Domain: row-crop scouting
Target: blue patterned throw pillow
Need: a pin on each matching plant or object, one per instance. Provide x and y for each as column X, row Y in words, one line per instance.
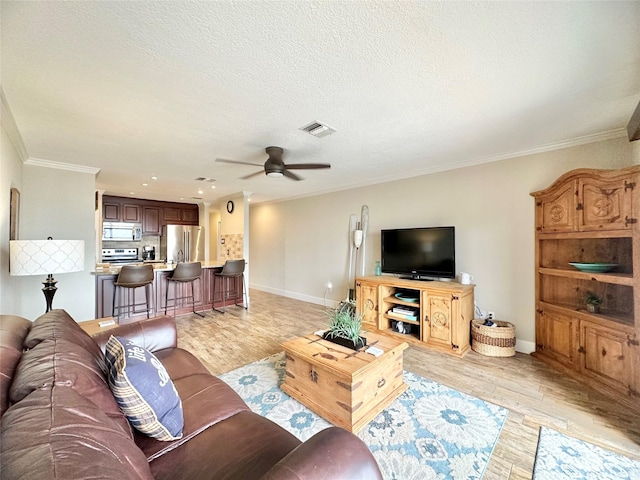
column 143, row 389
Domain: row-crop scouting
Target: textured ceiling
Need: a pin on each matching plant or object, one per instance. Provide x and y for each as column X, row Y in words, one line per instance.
column 165, row 88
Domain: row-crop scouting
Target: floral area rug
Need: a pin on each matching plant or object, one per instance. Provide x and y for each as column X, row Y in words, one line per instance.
column 560, row 457
column 429, row 432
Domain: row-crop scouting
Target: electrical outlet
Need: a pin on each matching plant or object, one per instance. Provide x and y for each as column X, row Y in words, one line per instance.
column 491, row 315
column 329, row 287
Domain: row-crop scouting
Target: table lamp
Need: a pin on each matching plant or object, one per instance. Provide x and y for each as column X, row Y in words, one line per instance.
column 46, row 257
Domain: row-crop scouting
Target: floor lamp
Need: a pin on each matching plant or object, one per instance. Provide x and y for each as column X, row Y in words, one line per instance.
column 46, row 257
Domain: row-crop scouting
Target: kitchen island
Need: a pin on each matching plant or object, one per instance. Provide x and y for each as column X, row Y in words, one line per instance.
column 106, row 275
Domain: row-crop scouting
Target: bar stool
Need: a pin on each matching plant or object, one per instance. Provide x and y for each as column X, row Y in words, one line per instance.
column 232, row 269
column 184, row 273
column 132, row 277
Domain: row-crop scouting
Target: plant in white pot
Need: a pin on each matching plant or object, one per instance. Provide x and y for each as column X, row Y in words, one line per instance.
column 344, row 326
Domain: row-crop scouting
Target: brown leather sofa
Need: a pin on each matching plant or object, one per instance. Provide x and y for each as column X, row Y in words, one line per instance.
column 61, row 421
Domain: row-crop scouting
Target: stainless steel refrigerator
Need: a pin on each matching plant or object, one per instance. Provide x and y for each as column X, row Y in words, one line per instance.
column 182, row 243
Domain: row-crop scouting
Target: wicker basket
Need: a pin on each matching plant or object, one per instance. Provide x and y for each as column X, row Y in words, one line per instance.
column 499, row 341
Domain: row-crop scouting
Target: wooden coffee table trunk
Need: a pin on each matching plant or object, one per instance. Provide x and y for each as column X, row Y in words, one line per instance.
column 347, row 388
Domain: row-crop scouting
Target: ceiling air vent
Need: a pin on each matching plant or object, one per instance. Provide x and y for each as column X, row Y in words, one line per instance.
column 205, row 179
column 318, row 129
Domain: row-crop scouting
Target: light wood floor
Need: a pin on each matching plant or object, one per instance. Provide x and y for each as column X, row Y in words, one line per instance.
column 533, row 393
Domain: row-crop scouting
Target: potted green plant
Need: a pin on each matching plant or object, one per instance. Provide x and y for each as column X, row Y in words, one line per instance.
column 593, row 302
column 344, row 326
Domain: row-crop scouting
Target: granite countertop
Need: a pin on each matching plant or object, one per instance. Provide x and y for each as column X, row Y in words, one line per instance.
column 107, row 269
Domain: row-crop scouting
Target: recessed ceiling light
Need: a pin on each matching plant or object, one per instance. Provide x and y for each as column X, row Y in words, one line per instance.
column 132, row 193
column 145, row 184
column 213, row 186
column 200, row 192
column 153, row 177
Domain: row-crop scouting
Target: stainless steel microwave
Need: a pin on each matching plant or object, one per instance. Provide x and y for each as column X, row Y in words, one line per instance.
column 121, row 232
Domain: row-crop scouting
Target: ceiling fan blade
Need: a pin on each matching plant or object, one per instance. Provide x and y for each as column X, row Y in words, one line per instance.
column 290, row 175
column 237, row 162
column 306, row 166
column 252, row 175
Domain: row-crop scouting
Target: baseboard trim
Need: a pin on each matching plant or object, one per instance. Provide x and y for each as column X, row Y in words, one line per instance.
column 296, row 296
column 525, row 346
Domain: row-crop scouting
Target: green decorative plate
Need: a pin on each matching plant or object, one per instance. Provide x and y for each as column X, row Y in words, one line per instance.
column 594, row 267
column 407, row 297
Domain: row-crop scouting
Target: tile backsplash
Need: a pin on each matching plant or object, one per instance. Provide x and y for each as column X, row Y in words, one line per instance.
column 232, row 248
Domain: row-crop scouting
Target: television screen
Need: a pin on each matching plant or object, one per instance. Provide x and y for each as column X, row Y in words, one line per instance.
column 419, row 252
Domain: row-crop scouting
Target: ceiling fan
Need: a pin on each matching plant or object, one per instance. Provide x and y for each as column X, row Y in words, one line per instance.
column 275, row 167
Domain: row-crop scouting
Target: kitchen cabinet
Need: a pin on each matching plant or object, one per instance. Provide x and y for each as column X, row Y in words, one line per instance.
column 151, row 221
column 180, row 215
column 126, row 296
column 589, row 218
column 171, row 215
column 151, row 213
column 443, row 310
column 189, row 216
column 111, row 211
column 131, row 213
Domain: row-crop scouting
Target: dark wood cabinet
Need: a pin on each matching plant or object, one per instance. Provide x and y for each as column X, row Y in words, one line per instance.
column 171, row 215
column 151, row 213
column 180, row 215
column 131, row 213
column 111, row 211
column 151, row 221
column 126, row 296
column 189, row 216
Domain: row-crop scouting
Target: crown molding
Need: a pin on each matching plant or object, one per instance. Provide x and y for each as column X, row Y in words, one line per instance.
column 38, row 162
column 9, row 124
column 574, row 142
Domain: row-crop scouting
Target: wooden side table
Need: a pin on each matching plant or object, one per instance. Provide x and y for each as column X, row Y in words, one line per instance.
column 93, row 326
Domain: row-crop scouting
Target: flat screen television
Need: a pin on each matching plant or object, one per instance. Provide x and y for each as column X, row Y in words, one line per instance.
column 420, row 253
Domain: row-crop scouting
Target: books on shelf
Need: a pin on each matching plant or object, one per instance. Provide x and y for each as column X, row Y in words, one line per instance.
column 406, row 313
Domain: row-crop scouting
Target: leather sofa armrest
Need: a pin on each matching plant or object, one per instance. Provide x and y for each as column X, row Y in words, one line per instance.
column 153, row 334
column 332, row 454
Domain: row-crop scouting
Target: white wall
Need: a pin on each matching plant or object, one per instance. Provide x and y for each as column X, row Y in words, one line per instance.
column 10, row 177
column 299, row 245
column 60, row 204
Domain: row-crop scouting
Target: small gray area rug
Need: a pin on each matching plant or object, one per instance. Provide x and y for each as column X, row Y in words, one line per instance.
column 560, row 457
column 430, row 432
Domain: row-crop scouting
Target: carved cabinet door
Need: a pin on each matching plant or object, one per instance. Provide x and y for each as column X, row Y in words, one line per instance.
column 437, row 321
column 604, row 205
column 367, row 302
column 556, row 211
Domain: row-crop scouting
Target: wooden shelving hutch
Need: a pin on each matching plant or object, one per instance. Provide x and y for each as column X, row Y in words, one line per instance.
column 590, row 216
column 444, row 310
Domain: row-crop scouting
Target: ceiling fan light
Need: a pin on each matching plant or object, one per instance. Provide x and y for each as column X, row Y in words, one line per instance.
column 274, row 174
